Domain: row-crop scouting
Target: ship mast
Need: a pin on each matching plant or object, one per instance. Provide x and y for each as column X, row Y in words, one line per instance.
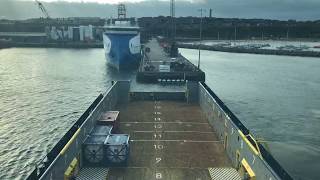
column 172, row 17
column 122, row 12
column 174, row 49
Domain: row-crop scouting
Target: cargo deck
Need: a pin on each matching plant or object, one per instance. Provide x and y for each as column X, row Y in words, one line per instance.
column 158, row 66
column 173, row 134
column 169, row 139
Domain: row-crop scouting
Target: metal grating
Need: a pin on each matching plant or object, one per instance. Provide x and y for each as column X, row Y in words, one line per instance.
column 224, row 173
column 93, row 173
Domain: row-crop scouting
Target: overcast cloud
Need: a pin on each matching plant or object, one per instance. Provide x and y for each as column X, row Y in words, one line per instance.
column 269, row 9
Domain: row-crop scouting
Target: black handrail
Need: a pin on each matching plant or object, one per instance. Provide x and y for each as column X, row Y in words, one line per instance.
column 272, row 162
column 49, row 158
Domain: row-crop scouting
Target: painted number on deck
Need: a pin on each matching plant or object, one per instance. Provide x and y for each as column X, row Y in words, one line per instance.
column 157, row 119
column 158, row 126
column 158, row 176
column 158, row 159
column 158, row 147
column 159, row 136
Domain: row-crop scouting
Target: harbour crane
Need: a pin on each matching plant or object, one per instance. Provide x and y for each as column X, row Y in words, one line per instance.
column 47, row 16
column 43, row 9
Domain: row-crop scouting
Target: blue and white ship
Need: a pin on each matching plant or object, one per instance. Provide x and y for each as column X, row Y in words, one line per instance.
column 122, row 46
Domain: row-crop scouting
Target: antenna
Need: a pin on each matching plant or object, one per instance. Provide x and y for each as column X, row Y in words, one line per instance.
column 172, row 37
column 122, row 12
column 173, row 23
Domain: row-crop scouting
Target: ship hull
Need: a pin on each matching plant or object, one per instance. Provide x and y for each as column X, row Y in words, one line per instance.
column 122, row 51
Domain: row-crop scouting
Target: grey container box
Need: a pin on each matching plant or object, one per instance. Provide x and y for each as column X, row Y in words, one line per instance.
column 93, row 151
column 117, row 149
column 101, row 130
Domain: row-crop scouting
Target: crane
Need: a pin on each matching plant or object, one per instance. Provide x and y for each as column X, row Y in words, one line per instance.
column 43, row 9
column 47, row 16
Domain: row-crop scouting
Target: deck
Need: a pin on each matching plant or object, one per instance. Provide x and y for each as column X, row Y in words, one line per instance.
column 178, row 68
column 169, row 140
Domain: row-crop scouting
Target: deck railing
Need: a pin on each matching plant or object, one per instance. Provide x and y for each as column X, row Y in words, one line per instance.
column 49, row 158
column 269, row 159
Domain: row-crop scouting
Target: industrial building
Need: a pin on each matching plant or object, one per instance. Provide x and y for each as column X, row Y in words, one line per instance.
column 72, row 33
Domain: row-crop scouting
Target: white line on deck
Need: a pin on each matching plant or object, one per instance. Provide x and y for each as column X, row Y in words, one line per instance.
column 145, row 167
column 168, row 140
column 196, row 123
column 206, row 132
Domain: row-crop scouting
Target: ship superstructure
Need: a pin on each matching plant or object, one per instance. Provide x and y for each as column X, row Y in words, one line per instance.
column 121, row 40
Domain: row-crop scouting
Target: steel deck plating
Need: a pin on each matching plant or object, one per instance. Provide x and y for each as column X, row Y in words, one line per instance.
column 169, row 140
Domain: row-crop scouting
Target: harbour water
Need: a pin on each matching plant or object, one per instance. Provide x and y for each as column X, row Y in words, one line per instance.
column 271, row 44
column 43, row 91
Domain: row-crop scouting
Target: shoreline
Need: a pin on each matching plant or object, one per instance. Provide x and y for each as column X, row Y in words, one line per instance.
column 180, row 45
column 252, row 51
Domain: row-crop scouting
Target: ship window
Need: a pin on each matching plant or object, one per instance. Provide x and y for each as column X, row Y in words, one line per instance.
column 238, row 138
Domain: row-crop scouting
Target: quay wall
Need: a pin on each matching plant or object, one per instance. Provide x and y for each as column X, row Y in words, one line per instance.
column 252, row 51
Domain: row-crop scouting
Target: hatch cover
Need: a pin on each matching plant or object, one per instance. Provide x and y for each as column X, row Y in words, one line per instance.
column 93, row 173
column 224, row 173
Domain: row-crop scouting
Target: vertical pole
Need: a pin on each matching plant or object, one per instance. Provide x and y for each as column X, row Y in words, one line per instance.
column 173, row 24
column 200, row 38
column 235, row 34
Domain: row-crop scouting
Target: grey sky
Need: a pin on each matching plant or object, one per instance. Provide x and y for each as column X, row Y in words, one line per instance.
column 270, row 9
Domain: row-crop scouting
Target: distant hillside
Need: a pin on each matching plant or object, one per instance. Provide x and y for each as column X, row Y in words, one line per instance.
column 225, row 28
column 213, row 28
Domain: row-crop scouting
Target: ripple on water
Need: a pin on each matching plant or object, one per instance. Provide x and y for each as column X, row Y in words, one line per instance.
column 38, row 104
